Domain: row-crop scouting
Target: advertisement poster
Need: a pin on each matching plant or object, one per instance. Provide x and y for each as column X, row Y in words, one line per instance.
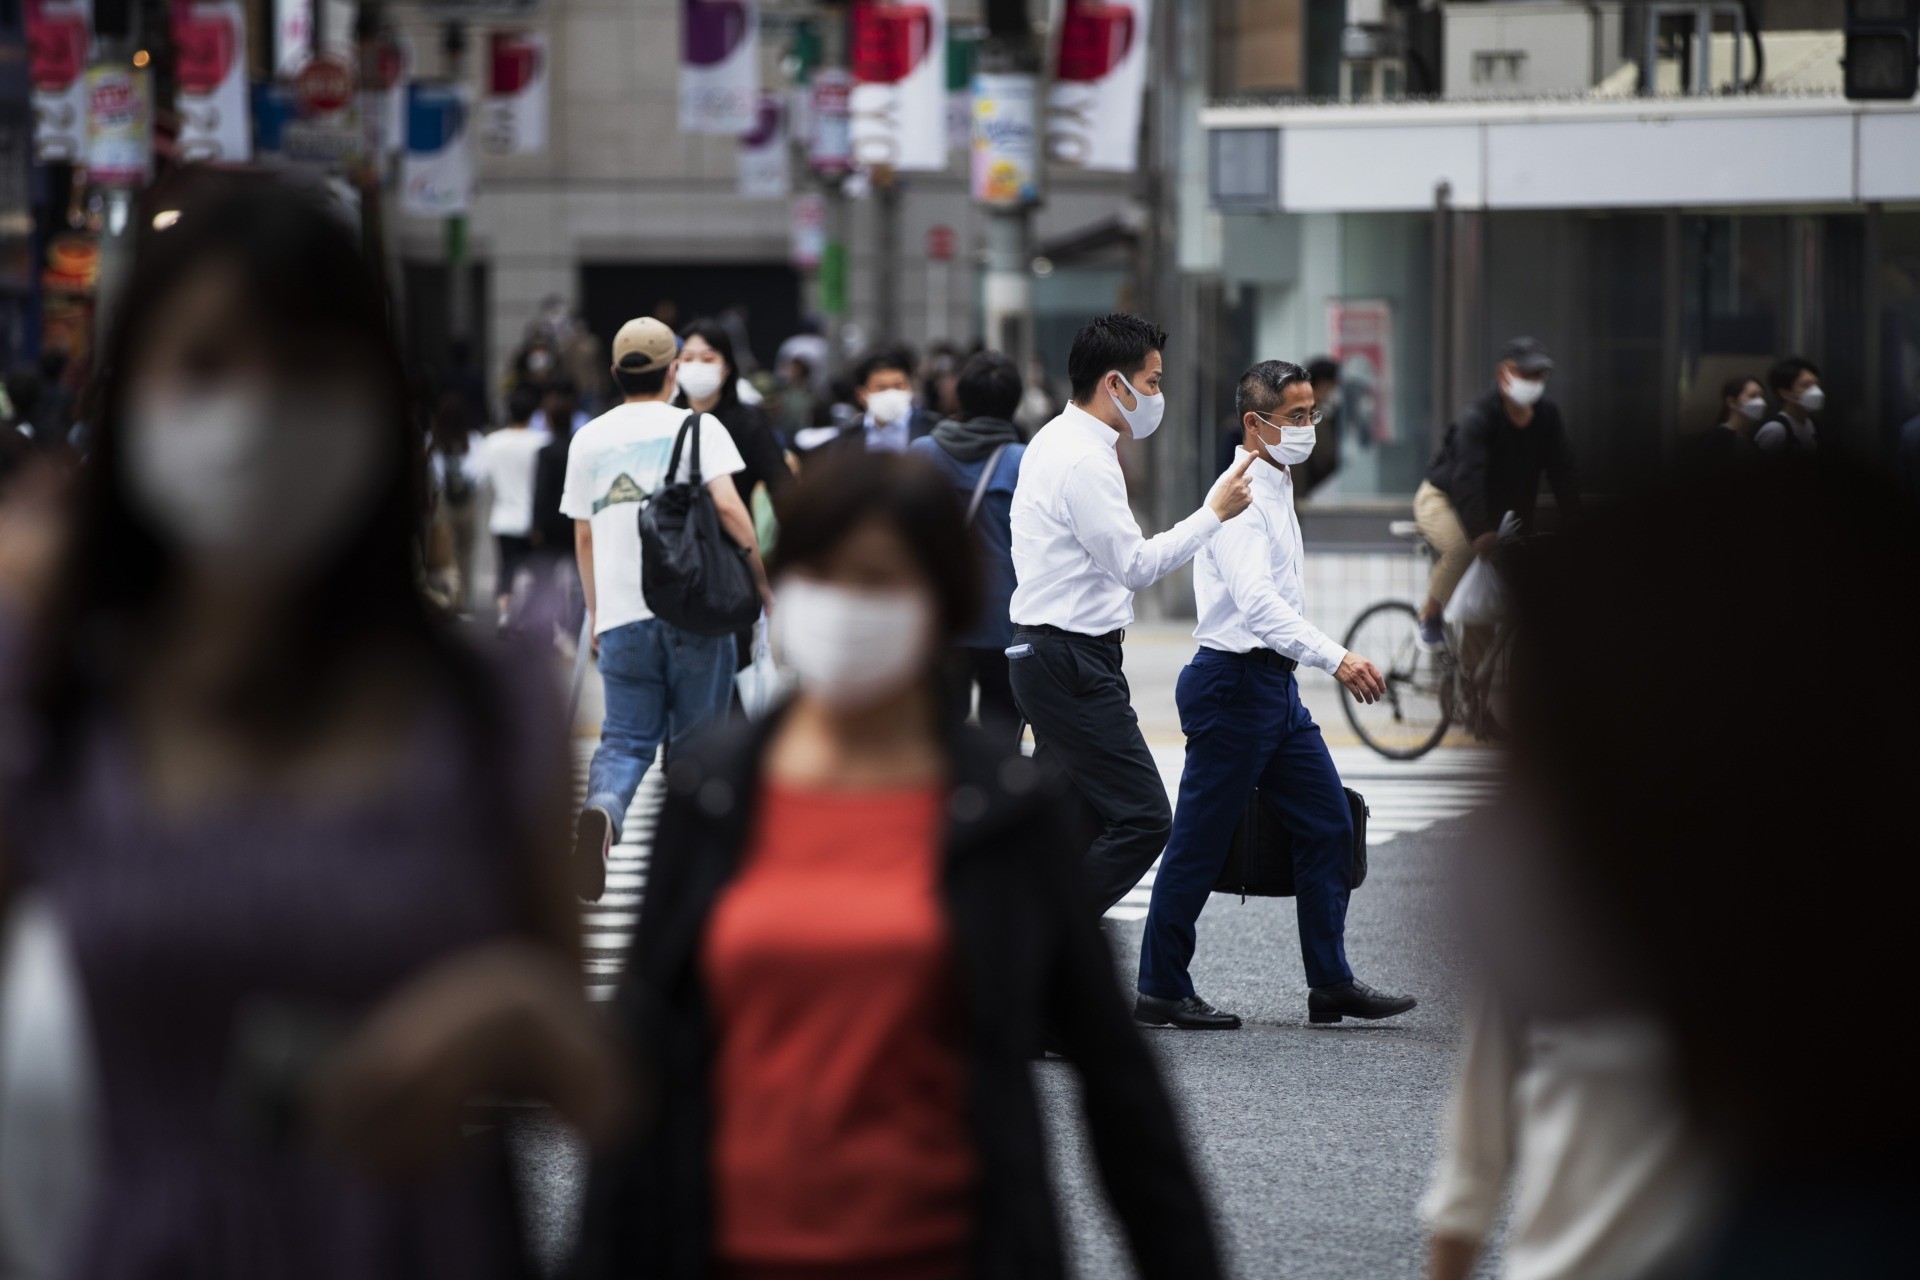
column 60, row 40
column 119, row 127
column 1006, row 145
column 830, row 137
column 764, row 173
column 1100, row 80
column 210, row 78
column 809, row 230
column 514, row 117
column 719, row 66
column 1361, row 338
column 899, row 101
column 293, row 32
column 436, row 173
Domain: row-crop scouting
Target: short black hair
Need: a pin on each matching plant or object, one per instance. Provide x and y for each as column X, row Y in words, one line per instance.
column 1112, row 343
column 882, row 358
column 650, row 383
column 522, row 402
column 1786, row 372
column 1323, row 369
column 1734, row 386
column 988, row 387
column 1262, row 386
column 847, row 488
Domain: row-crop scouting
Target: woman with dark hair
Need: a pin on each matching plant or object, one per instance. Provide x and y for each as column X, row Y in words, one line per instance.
column 860, row 921
column 1729, row 441
column 296, row 832
column 709, row 382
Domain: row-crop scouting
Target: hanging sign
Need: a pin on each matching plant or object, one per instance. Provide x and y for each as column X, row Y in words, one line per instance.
column 830, row 141
column 1006, row 147
column 1362, row 342
column 210, row 78
column 719, row 66
column 119, row 127
column 809, row 229
column 764, row 171
column 1099, row 81
column 899, row 100
column 514, row 117
column 60, row 39
column 395, row 66
column 436, row 173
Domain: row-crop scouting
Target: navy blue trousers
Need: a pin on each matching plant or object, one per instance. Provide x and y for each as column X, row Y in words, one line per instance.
column 1245, row 725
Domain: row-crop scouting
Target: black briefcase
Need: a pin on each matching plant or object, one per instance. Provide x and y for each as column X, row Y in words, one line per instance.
column 1260, row 859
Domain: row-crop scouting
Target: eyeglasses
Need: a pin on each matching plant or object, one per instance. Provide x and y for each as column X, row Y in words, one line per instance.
column 1313, row 419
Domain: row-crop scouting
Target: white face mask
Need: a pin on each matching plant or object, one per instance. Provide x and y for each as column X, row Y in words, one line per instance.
column 254, row 481
column 1813, row 399
column 539, row 362
column 1525, row 391
column 1144, row 419
column 888, row 407
column 1296, row 443
column 701, row 381
column 851, row 648
column 1755, row 409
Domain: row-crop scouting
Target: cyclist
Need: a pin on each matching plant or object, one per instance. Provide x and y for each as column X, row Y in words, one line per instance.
column 1490, row 463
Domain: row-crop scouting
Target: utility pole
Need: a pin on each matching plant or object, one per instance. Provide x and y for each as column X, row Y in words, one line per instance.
column 369, row 39
column 833, row 260
column 1008, row 81
column 459, row 279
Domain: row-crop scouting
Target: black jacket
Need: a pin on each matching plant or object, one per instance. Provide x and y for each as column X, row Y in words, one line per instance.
column 1487, row 466
column 759, row 448
column 1027, row 950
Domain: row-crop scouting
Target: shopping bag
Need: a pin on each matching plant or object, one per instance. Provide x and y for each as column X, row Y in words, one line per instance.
column 760, row 683
column 1480, row 599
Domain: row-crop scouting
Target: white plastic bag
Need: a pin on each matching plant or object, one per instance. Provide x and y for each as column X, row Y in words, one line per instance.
column 760, row 683
column 1480, row 599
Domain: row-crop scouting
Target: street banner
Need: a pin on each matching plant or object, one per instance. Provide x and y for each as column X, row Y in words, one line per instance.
column 809, row 229
column 210, row 79
column 396, row 68
column 119, row 127
column 1361, row 342
column 274, row 109
column 962, row 50
column 60, row 39
column 719, row 66
column 830, row 138
column 514, row 118
column 899, row 100
column 293, row 33
column 1006, row 145
column 1099, row 81
column 764, row 171
column 436, row 173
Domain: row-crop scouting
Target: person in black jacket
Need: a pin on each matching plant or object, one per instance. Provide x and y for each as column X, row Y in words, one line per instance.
column 710, row 383
column 1489, row 464
column 860, row 920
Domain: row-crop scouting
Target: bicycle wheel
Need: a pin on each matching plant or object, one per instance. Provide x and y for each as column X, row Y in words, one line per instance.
column 1413, row 716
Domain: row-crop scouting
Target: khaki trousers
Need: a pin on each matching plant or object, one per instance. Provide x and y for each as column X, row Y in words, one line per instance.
column 1452, row 552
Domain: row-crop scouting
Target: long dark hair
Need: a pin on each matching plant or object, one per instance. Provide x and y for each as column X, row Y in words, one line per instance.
column 710, row 331
column 305, row 283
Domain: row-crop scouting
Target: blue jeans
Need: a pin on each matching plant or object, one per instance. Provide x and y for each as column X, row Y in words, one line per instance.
column 661, row 683
column 1245, row 725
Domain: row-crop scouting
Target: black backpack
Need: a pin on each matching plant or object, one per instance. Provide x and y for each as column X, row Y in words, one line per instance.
column 692, row 574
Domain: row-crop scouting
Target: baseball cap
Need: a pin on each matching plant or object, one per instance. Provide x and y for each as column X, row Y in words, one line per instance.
column 644, row 345
column 1529, row 355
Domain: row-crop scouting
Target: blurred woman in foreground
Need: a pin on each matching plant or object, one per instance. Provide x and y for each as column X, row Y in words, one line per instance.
column 295, row 831
column 860, row 921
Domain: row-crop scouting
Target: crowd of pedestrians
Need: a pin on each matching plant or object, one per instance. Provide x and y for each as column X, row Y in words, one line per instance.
column 309, row 844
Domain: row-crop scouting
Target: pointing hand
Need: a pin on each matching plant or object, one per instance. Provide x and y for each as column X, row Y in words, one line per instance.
column 1233, row 492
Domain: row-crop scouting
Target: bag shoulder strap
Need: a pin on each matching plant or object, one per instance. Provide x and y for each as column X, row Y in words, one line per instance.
column 986, row 478
column 692, row 424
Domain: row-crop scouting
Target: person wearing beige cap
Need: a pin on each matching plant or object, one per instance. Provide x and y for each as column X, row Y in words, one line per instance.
column 661, row 681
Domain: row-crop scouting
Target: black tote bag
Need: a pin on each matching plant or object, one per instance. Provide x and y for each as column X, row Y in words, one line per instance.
column 692, row 574
column 1260, row 859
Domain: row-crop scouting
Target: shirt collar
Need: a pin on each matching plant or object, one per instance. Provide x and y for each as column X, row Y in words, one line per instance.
column 1278, row 479
column 1086, row 422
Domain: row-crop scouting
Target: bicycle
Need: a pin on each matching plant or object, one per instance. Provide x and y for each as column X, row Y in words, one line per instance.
column 1427, row 691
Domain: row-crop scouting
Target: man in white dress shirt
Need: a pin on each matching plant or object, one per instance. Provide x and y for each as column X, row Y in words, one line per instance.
column 1240, row 708
column 1078, row 557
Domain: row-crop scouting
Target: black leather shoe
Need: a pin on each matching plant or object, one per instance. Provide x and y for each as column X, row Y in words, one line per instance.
column 1189, row 1014
column 1354, row 1000
column 592, row 842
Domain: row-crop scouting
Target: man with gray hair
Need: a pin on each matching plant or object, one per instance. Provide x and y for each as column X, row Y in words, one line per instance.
column 1240, row 709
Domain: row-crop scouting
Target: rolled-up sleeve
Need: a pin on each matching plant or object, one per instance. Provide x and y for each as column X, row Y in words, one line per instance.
column 1096, row 509
column 1242, row 553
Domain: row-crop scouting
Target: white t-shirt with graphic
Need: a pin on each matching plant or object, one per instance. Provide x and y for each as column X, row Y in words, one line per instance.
column 615, row 464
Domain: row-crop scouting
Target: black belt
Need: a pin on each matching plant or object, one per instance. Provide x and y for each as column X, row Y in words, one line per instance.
column 1264, row 658
column 1112, row 637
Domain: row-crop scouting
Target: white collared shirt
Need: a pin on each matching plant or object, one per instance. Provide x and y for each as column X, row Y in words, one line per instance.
column 892, row 438
column 1078, row 554
column 1250, row 582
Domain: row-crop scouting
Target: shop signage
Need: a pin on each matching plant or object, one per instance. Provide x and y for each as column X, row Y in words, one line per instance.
column 119, row 127
column 830, row 141
column 1006, row 148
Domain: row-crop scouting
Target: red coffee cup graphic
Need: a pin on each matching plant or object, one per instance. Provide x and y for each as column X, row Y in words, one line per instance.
column 714, row 29
column 516, row 63
column 59, row 50
column 889, row 41
column 1094, row 39
column 205, row 43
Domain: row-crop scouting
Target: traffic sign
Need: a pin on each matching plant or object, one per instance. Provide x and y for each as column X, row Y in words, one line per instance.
column 324, row 86
column 942, row 243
